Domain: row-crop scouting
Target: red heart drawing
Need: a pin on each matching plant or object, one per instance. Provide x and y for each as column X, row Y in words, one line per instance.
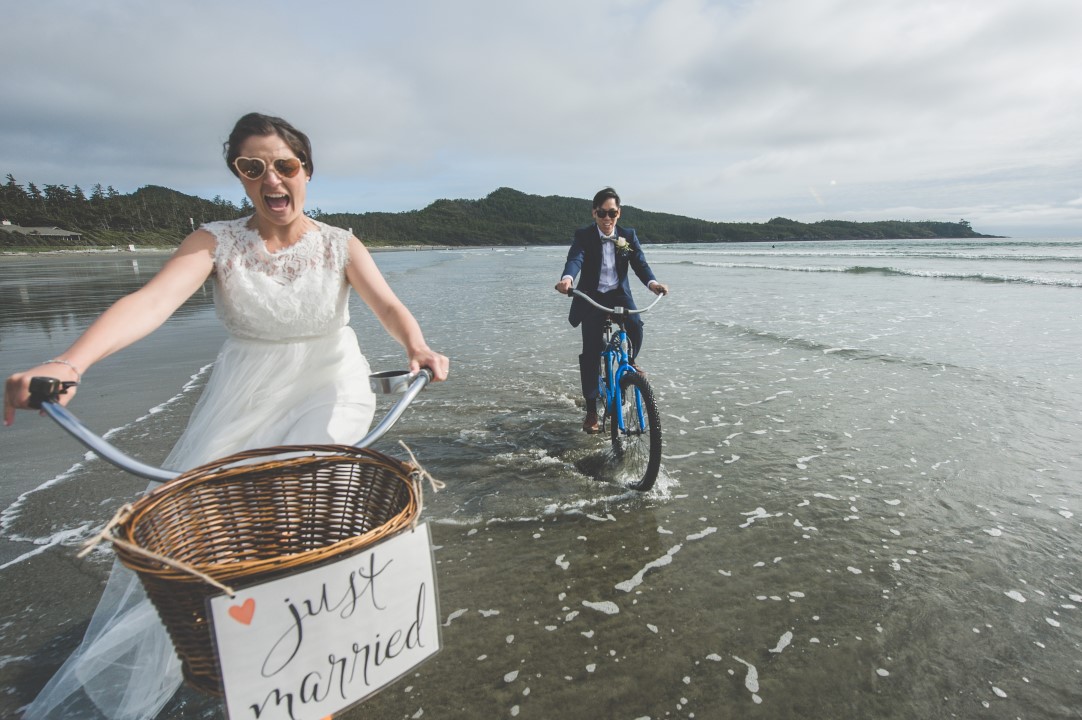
column 243, row 613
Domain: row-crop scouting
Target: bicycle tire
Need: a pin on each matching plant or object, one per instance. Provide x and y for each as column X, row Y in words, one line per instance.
column 637, row 449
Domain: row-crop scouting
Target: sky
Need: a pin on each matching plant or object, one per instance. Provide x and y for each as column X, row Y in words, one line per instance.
column 725, row 110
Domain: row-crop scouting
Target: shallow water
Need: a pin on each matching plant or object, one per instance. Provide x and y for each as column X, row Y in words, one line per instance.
column 869, row 503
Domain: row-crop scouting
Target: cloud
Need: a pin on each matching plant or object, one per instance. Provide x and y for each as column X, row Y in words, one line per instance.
column 722, row 109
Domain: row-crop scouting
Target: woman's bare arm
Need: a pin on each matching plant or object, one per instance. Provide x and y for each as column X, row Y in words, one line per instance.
column 395, row 317
column 129, row 319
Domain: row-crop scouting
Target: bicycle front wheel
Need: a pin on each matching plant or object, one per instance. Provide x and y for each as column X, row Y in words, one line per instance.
column 636, row 447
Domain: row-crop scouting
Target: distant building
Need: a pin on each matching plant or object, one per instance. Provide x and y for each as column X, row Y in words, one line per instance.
column 50, row 233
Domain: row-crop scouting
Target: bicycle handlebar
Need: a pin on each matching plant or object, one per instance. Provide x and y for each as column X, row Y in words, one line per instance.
column 97, row 444
column 572, row 292
column 389, row 382
column 45, row 394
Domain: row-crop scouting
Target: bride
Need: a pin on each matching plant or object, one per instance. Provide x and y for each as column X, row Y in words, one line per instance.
column 281, row 290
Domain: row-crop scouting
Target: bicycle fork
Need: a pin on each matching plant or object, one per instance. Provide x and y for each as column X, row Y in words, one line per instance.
column 618, row 404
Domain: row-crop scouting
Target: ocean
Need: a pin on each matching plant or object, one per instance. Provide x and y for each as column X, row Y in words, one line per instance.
column 869, row 504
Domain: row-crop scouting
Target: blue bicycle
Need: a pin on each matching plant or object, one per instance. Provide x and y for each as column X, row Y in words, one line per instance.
column 630, row 409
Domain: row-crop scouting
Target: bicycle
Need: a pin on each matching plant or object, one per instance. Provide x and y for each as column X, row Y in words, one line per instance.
column 250, row 518
column 629, row 407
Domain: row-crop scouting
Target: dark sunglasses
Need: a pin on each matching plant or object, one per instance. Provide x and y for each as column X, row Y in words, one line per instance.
column 255, row 168
column 611, row 213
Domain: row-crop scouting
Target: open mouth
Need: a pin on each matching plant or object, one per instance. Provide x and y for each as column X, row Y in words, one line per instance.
column 276, row 202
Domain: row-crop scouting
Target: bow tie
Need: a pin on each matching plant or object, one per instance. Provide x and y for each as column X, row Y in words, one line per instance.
column 608, row 238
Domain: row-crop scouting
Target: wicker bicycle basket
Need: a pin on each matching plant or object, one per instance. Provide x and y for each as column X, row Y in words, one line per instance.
column 251, row 517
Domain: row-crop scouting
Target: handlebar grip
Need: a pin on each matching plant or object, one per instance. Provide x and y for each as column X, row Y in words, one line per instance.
column 47, row 389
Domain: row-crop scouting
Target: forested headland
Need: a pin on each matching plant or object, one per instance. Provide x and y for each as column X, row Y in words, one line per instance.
column 160, row 217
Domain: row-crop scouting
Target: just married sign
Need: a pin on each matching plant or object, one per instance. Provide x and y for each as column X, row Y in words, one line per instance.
column 311, row 644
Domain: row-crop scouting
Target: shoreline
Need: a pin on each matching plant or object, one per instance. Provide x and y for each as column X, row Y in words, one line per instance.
column 148, row 251
column 82, row 251
column 166, row 250
column 169, row 250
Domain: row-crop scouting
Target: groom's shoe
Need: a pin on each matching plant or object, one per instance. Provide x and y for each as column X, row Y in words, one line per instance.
column 635, row 366
column 590, row 424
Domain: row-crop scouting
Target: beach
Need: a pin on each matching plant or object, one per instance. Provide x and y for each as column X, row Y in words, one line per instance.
column 869, row 502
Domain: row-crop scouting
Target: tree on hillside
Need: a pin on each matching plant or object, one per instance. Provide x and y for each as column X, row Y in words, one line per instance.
column 504, row 217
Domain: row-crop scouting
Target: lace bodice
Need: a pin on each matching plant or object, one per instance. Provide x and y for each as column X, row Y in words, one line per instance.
column 297, row 293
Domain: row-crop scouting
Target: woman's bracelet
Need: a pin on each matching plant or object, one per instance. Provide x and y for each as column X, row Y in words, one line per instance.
column 59, row 361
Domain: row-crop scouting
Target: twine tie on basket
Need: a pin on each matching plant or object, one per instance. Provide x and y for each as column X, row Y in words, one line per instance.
column 106, row 534
column 418, row 475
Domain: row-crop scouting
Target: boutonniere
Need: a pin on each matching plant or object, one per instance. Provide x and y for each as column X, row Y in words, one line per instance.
column 622, row 246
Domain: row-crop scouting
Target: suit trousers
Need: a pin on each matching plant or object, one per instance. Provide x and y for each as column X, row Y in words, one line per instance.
column 593, row 342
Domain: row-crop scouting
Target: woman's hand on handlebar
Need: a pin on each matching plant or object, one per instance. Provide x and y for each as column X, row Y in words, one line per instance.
column 17, row 387
column 439, row 364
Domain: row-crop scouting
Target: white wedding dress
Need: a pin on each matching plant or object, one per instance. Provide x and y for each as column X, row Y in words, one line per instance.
column 291, row 372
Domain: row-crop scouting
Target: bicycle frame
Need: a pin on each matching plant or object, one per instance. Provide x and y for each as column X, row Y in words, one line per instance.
column 616, row 358
column 616, row 362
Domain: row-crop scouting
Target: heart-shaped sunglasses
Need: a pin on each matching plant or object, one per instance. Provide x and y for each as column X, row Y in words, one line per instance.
column 255, row 168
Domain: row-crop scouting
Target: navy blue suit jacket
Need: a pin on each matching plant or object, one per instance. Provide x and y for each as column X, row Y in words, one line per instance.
column 584, row 260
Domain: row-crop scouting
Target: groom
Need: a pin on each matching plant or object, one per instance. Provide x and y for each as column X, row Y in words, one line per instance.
column 600, row 255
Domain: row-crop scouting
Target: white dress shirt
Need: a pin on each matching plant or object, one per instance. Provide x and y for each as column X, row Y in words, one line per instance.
column 608, row 279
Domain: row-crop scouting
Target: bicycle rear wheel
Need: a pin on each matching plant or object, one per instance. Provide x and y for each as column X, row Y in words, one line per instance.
column 637, row 448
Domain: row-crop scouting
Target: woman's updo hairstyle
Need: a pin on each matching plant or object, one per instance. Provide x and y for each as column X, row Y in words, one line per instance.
column 257, row 124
